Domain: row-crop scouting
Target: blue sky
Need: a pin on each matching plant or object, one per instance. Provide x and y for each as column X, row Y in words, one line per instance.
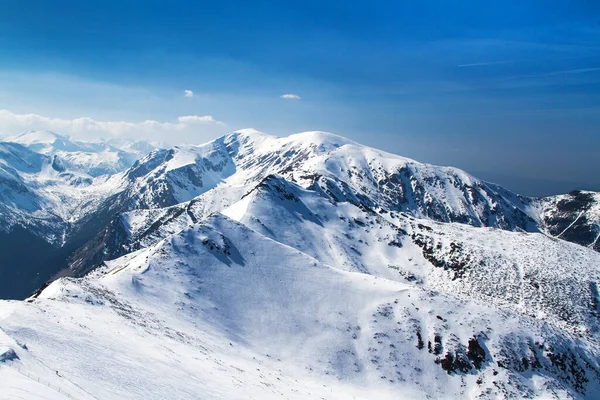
column 508, row 90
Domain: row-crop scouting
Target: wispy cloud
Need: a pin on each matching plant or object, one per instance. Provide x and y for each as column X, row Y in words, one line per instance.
column 85, row 127
column 571, row 71
column 483, row 64
column 290, row 96
column 531, row 81
column 188, row 93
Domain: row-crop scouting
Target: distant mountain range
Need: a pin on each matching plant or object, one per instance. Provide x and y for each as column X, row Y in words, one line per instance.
column 306, row 266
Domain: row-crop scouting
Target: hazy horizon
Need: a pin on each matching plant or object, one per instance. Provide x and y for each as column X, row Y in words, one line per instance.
column 534, row 187
column 506, row 91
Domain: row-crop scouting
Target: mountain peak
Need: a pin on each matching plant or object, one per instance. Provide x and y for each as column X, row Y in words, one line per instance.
column 37, row 137
column 249, row 132
column 379, row 267
column 325, row 140
column 321, row 138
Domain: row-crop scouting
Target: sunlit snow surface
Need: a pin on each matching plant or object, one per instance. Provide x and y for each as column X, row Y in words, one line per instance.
column 285, row 268
column 48, row 181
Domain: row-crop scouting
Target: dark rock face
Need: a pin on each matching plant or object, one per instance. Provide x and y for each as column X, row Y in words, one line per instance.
column 8, row 355
column 112, row 239
column 107, row 244
column 571, row 217
column 28, row 261
column 148, row 163
column 424, row 192
column 58, row 165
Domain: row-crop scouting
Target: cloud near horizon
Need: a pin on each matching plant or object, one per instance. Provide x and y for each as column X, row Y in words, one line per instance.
column 187, row 128
column 188, row 93
column 290, row 96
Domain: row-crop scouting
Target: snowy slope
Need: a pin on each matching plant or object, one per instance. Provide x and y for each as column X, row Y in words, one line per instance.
column 531, row 273
column 221, row 311
column 170, row 189
column 51, row 202
column 91, row 158
column 47, row 177
column 49, row 192
column 33, row 190
column 307, row 266
column 232, row 165
column 350, row 171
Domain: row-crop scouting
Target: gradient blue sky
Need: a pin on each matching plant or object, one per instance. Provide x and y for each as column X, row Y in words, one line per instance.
column 508, row 90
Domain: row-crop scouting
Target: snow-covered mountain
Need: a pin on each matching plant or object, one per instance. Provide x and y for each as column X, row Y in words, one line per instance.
column 92, row 158
column 307, row 266
column 574, row 217
column 487, row 264
column 51, row 196
column 50, row 186
column 221, row 311
column 87, row 219
column 169, row 189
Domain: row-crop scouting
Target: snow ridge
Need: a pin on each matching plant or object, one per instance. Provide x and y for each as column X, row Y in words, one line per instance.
column 307, row 266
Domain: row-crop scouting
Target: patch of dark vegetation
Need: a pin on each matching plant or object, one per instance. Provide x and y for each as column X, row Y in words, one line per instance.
column 425, row 227
column 570, row 366
column 476, row 353
column 455, row 261
column 358, row 222
column 437, row 348
column 459, row 360
column 454, row 362
column 395, row 243
column 386, row 311
column 567, row 364
column 420, row 343
column 408, row 276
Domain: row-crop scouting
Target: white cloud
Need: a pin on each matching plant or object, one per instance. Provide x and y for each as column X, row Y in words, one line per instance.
column 195, row 119
column 191, row 128
column 188, row 93
column 291, row 96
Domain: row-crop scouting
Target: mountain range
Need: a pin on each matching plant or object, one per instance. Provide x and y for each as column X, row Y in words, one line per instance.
column 307, row 266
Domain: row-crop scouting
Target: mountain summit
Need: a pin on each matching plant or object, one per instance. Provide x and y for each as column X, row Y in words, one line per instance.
column 306, row 266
